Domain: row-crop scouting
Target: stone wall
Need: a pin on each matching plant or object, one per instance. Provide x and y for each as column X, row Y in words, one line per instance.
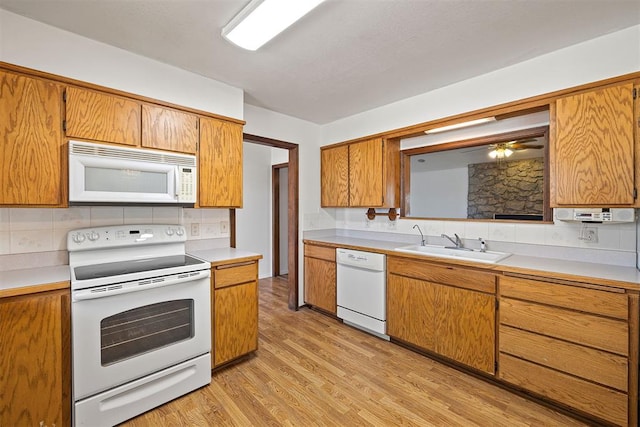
column 505, row 187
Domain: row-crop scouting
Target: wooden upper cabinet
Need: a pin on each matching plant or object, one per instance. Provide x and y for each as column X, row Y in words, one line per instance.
column 102, row 117
column 168, row 129
column 220, row 180
column 361, row 174
column 31, row 148
column 335, row 176
column 366, row 170
column 593, row 153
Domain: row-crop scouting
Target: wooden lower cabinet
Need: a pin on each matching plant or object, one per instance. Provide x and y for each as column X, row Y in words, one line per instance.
column 320, row 277
column 574, row 345
column 35, row 360
column 234, row 331
column 445, row 310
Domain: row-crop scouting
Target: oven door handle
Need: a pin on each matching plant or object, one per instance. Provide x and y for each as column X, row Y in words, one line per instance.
column 141, row 285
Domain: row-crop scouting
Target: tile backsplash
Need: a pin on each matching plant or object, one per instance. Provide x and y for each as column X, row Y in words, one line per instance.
column 610, row 237
column 32, row 230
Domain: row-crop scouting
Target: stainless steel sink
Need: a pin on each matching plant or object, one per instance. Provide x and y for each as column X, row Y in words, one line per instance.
column 489, row 257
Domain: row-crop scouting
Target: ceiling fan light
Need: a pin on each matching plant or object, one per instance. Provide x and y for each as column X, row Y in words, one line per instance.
column 262, row 20
column 493, row 154
column 507, row 152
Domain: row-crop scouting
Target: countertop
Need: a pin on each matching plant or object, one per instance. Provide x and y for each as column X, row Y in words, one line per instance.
column 41, row 279
column 32, row 280
column 222, row 256
column 601, row 274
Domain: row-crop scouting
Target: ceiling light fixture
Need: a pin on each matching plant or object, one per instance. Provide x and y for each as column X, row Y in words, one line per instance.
column 461, row 125
column 262, row 20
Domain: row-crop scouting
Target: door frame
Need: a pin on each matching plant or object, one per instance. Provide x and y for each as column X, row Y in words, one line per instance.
column 292, row 211
column 275, row 193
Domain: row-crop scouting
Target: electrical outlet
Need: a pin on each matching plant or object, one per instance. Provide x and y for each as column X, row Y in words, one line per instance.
column 195, row 229
column 224, row 227
column 589, row 234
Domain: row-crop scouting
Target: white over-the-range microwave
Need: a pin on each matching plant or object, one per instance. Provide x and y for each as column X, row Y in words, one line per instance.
column 109, row 174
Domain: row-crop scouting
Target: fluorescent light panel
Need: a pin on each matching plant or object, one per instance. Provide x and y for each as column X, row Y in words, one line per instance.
column 262, row 20
column 460, row 125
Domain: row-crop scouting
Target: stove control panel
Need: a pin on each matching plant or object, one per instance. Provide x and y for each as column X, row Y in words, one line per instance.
column 124, row 235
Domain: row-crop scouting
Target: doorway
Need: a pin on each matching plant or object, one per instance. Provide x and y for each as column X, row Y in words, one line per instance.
column 291, row 213
column 280, row 203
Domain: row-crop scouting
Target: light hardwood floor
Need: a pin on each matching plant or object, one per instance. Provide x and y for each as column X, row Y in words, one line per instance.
column 312, row 370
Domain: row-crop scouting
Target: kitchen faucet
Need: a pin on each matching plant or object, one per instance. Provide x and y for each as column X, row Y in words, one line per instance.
column 422, row 242
column 457, row 242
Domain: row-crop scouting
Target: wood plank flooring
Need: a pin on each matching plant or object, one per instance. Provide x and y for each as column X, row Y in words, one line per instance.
column 311, row 370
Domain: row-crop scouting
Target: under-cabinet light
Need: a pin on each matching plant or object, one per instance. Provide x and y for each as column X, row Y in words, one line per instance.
column 461, row 125
column 262, row 20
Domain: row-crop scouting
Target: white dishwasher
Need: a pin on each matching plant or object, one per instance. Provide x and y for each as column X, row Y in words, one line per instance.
column 362, row 290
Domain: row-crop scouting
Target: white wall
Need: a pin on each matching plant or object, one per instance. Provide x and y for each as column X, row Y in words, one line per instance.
column 39, row 46
column 441, row 193
column 608, row 56
column 253, row 221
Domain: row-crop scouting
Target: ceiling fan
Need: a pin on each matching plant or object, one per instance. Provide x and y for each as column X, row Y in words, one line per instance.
column 506, row 149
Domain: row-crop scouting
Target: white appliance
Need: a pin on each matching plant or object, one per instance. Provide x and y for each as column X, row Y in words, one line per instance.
column 362, row 290
column 599, row 215
column 111, row 174
column 140, row 320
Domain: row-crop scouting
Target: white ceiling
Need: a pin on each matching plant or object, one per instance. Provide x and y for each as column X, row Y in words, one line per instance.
column 346, row 56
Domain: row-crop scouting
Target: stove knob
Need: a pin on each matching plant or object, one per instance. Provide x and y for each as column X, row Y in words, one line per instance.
column 78, row 238
column 180, row 231
column 169, row 231
column 94, row 236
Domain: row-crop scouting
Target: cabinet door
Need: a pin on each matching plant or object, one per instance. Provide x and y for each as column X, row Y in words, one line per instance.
column 411, row 309
column 593, row 152
column 465, row 324
column 334, row 175
column 102, row 117
column 31, row 141
column 320, row 283
column 168, row 129
column 236, row 321
column 35, row 361
column 220, row 164
column 366, row 173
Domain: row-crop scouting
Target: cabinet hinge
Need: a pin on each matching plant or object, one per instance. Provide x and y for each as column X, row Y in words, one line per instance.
column 64, row 96
column 497, row 304
column 635, row 193
column 495, row 366
column 64, row 125
column 635, row 93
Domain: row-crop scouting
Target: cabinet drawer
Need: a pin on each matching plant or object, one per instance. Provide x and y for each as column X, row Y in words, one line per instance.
column 579, row 328
column 605, row 303
column 585, row 396
column 235, row 274
column 588, row 363
column 460, row 277
column 321, row 252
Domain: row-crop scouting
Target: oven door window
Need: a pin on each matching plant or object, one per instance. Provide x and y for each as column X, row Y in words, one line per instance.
column 143, row 329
